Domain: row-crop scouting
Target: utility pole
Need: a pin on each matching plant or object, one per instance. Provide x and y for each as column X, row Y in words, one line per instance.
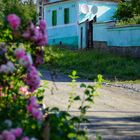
column 40, row 10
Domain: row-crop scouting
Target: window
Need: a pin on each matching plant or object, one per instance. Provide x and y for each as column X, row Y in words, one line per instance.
column 54, row 18
column 66, row 15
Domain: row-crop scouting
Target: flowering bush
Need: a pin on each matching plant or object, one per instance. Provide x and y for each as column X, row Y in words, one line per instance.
column 22, row 116
column 21, row 112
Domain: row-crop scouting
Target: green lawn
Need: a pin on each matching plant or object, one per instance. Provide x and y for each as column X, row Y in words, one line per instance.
column 92, row 62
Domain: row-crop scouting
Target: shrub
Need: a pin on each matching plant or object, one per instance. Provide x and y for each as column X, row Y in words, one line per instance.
column 21, row 110
column 22, row 113
column 132, row 21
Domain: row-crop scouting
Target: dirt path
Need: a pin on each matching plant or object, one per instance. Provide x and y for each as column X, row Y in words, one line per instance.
column 115, row 114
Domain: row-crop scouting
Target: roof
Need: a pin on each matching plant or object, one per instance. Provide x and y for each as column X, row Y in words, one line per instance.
column 46, row 2
column 104, row 14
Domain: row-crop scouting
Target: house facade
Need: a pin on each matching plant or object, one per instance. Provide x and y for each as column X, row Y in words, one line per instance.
column 70, row 22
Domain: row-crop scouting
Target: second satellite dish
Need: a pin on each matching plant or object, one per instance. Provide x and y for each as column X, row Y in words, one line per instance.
column 94, row 9
column 84, row 8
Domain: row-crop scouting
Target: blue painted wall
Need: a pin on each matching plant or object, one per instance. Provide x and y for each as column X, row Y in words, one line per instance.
column 117, row 36
column 67, row 34
column 125, row 36
column 100, row 32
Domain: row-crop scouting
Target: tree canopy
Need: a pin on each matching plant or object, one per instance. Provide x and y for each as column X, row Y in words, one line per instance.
column 127, row 9
column 24, row 9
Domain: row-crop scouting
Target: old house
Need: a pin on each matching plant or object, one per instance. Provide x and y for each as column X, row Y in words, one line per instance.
column 70, row 22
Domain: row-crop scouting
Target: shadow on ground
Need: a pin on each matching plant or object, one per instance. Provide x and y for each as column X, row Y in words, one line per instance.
column 115, row 114
column 58, row 77
column 114, row 128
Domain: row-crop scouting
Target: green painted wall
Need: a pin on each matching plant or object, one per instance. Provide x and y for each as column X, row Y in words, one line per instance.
column 68, row 41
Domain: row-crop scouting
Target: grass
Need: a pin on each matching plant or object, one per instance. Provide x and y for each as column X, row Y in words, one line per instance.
column 90, row 63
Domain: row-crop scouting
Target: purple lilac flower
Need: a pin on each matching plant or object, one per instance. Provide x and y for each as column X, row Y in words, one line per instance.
column 24, row 59
column 26, row 34
column 17, row 132
column 7, row 135
column 3, row 68
column 25, row 138
column 37, row 35
column 42, row 25
column 34, row 108
column 39, row 59
column 32, row 79
column 13, row 134
column 19, row 53
column 1, row 137
column 14, row 21
column 10, row 66
column 7, row 68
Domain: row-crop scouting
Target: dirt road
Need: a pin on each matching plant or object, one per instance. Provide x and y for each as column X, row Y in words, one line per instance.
column 115, row 114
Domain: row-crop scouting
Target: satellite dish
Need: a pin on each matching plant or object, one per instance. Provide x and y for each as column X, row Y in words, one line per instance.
column 94, row 9
column 84, row 8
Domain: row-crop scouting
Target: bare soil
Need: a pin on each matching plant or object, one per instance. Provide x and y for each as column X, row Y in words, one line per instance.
column 115, row 114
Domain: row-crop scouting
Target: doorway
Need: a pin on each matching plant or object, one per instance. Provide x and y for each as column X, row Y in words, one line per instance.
column 90, row 34
column 81, row 38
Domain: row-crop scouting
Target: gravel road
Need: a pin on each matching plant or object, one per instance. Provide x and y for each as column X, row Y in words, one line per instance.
column 115, row 114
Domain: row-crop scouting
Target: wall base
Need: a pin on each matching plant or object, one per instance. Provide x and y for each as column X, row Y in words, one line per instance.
column 71, row 42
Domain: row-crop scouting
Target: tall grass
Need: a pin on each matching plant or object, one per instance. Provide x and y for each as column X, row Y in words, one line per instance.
column 90, row 63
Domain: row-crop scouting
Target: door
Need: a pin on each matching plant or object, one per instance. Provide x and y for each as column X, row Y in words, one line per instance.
column 90, row 34
column 81, row 37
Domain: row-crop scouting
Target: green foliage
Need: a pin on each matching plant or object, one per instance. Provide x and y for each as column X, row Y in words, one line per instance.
column 136, row 6
column 16, row 106
column 13, row 103
column 27, row 11
column 128, row 10
column 74, row 76
column 63, row 125
column 98, row 137
column 124, row 11
column 6, row 35
column 131, row 21
column 90, row 63
column 72, row 97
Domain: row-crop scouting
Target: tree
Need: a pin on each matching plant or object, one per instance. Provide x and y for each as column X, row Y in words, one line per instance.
column 127, row 9
column 124, row 11
column 136, row 6
column 25, row 10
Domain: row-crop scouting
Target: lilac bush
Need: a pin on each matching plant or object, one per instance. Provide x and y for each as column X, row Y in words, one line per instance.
column 21, row 112
column 22, row 116
column 13, row 134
